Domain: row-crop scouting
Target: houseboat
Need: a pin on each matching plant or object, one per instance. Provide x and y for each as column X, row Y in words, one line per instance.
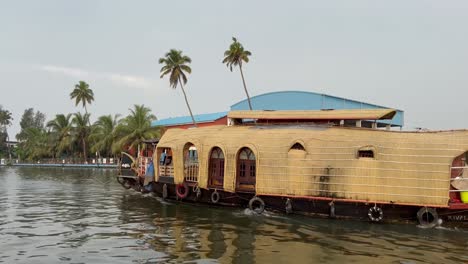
column 327, row 163
column 138, row 171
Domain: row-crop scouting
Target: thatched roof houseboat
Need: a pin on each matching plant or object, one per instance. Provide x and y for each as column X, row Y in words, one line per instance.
column 332, row 163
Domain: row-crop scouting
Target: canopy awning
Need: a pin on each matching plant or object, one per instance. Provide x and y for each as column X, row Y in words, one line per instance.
column 353, row 114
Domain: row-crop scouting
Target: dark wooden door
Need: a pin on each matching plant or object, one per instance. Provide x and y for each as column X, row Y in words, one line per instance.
column 216, row 168
column 246, row 170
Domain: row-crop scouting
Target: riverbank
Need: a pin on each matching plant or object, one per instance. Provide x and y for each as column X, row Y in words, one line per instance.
column 62, row 165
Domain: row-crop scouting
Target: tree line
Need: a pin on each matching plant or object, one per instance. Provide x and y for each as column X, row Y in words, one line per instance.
column 72, row 136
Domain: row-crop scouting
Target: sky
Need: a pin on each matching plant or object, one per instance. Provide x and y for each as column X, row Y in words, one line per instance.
column 409, row 55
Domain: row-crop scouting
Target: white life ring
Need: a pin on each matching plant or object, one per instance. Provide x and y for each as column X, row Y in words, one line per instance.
column 257, row 205
column 375, row 214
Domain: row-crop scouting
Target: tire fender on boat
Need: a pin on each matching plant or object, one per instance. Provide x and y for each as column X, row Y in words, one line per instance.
column 182, row 190
column 375, row 214
column 215, row 197
column 428, row 217
column 257, row 205
column 124, row 182
column 164, row 191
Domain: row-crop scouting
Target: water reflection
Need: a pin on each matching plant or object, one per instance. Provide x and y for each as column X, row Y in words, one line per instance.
column 83, row 216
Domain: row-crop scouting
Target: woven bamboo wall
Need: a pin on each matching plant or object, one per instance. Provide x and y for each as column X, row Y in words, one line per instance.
column 409, row 167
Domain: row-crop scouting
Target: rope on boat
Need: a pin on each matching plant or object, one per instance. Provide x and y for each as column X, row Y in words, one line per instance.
column 358, row 168
column 365, row 193
column 360, row 176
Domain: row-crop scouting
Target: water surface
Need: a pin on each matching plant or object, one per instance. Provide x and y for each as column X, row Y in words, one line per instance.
column 83, row 216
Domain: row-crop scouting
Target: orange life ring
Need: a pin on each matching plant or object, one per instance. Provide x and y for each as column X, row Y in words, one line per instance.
column 182, row 190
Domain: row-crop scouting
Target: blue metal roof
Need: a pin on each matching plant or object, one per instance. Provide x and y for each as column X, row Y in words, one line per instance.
column 287, row 100
column 182, row 120
column 300, row 100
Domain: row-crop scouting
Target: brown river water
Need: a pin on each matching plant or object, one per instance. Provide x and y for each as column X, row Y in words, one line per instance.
column 84, row 216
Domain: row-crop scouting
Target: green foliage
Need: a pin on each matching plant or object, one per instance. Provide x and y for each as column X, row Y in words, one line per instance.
column 5, row 117
column 175, row 65
column 37, row 144
column 135, row 128
column 235, row 56
column 69, row 135
column 82, row 94
column 104, row 134
column 81, row 131
column 30, row 120
column 3, row 146
column 61, row 134
column 5, row 121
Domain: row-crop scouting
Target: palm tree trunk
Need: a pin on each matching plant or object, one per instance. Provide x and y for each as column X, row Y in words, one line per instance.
column 84, row 150
column 89, row 123
column 9, row 147
column 188, row 106
column 245, row 87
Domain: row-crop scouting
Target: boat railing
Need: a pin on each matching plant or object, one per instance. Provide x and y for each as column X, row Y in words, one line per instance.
column 142, row 163
column 166, row 170
column 191, row 171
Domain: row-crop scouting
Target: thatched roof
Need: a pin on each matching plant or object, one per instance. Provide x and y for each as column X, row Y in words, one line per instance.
column 407, row 168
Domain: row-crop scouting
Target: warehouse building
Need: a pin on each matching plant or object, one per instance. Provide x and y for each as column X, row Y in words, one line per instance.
column 287, row 100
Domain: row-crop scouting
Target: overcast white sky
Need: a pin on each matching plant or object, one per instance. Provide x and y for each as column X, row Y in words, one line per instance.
column 411, row 55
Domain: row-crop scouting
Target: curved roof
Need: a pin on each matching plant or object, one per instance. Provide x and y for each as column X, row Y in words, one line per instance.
column 299, row 100
column 302, row 100
column 288, row 100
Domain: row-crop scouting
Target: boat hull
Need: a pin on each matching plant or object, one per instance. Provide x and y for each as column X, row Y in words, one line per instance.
column 319, row 207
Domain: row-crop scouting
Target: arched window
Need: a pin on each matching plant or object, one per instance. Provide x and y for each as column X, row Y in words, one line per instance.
column 190, row 163
column 366, row 152
column 216, row 168
column 298, row 146
column 246, row 170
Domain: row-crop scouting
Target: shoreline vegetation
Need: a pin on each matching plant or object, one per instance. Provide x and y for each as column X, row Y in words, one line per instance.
column 65, row 165
column 73, row 139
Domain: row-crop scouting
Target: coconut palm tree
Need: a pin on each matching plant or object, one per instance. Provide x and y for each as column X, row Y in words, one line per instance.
column 81, row 130
column 175, row 65
column 104, row 134
column 5, row 121
column 5, row 117
column 235, row 56
column 61, row 131
column 37, row 144
column 82, row 94
column 135, row 128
